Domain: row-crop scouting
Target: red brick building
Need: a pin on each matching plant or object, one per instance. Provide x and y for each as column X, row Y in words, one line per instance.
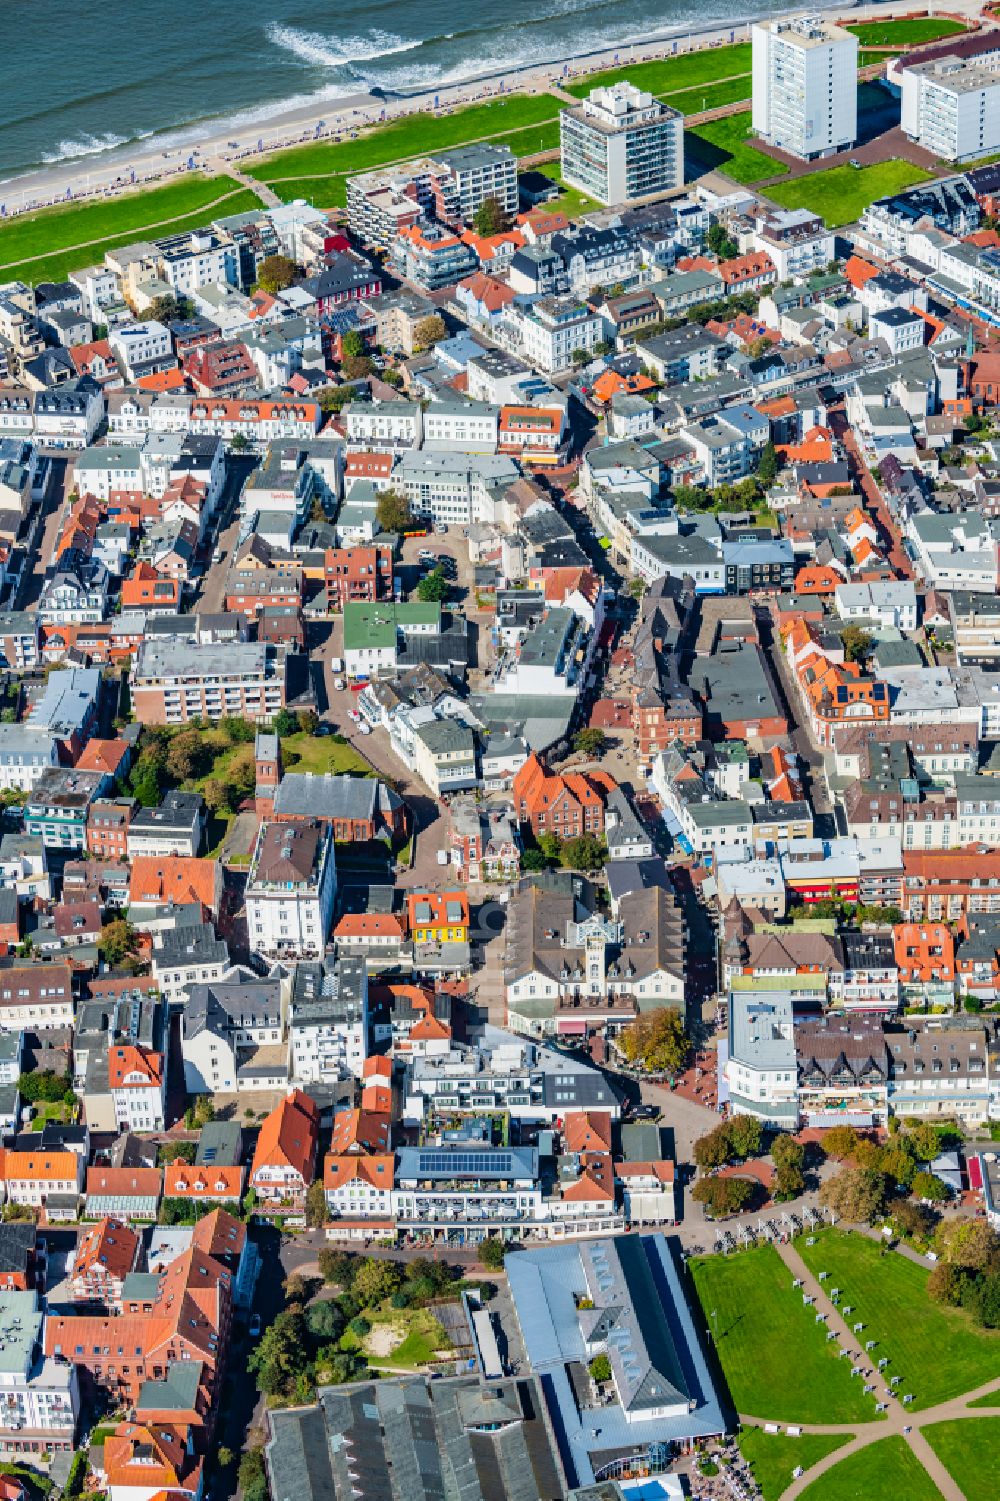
column 566, row 805
column 357, row 573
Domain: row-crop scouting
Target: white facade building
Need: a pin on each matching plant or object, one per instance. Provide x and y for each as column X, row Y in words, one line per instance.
column 805, row 85
column 140, row 345
column 952, row 107
column 290, row 891
column 621, row 144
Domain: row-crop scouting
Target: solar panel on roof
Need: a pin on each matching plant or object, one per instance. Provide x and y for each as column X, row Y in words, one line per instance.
column 471, row 1163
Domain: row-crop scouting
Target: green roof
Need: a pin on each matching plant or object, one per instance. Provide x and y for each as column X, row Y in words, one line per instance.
column 375, row 623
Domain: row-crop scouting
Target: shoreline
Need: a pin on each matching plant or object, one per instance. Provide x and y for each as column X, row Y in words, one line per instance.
column 225, row 143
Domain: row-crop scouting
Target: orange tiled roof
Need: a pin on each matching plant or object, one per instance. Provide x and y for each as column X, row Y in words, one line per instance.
column 124, row 1060
column 109, row 1246
column 102, row 755
column 378, row 1170
column 173, row 878
column 38, row 1167
column 360, row 1130
column 182, row 1181
column 587, row 1131
column 288, row 1137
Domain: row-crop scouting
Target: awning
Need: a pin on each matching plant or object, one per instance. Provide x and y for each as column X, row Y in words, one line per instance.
column 571, row 1027
column 975, row 1172
column 840, row 1118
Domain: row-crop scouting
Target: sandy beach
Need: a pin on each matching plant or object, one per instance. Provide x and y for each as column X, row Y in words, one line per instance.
column 220, row 144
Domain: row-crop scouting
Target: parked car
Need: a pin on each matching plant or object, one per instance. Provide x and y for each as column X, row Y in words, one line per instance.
column 255, row 1326
column 338, row 683
column 363, row 729
column 353, row 714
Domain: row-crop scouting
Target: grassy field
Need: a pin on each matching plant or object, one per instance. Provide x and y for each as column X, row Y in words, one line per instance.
column 722, row 144
column 991, row 1400
column 905, row 33
column 319, row 754
column 77, row 234
column 889, row 1469
column 775, row 1356
column 317, row 170
column 936, row 1350
column 534, row 138
column 710, row 95
column 570, row 201
column 665, row 75
column 773, row 1456
column 883, row 55
column 407, row 1337
column 968, row 1449
column 841, row 194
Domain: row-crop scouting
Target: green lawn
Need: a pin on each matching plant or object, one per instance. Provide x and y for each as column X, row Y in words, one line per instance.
column 710, row 96
column 884, row 55
column 888, row 1469
column 318, row 170
column 773, row 1456
column 662, row 75
column 722, row 145
column 969, row 1448
column 534, row 138
column 992, row 1399
column 776, row 1358
column 319, row 753
column 905, row 33
column 937, row 1351
column 77, row 234
column 570, row 201
column 423, row 1336
column 841, row 194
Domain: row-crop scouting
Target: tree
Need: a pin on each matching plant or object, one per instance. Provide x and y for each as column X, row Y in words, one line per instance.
column 600, row 1368
column 238, row 731
column 285, row 723
column 282, row 1355
column 429, row 331
column 533, row 860
column 579, row 358
column 840, row 1142
column 337, row 1267
column 929, row 1186
column 187, row 755
column 239, row 443
column 167, row 308
column 924, row 1141
column 357, row 366
column 252, row 1475
column 433, row 587
column 352, row 345
column 722, row 1196
column 947, row 1283
column 721, row 244
column 219, row 796
column 712, row 1150
column 332, row 399
column 986, row 1306
column 745, row 1135
column 392, row 512
column 224, row 1457
column 175, row 1151
column 637, row 587
column 656, row 1041
column 242, row 771
column 857, row 643
column 492, row 1252
column 589, row 742
column 911, row 1219
column 117, row 940
column 788, row 1156
column 550, row 845
column 145, row 784
column 308, row 721
column 324, row 1320
column 968, row 1243
column 767, row 469
column 42, row 1086
column 359, row 1327
column 856, row 1194
column 316, row 1213
column 490, row 218
column 275, row 273
column 584, row 852
column 374, row 1280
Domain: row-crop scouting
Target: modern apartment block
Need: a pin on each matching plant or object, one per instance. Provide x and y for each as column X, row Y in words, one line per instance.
column 621, row 144
column 805, row 85
column 449, row 188
column 174, row 681
column 952, row 108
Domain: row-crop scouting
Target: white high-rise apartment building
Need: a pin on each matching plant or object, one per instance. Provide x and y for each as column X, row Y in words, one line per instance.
column 952, row 107
column 621, row 143
column 805, row 86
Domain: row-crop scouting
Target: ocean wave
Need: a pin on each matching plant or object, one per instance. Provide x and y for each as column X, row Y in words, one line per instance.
column 337, row 52
column 88, row 145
